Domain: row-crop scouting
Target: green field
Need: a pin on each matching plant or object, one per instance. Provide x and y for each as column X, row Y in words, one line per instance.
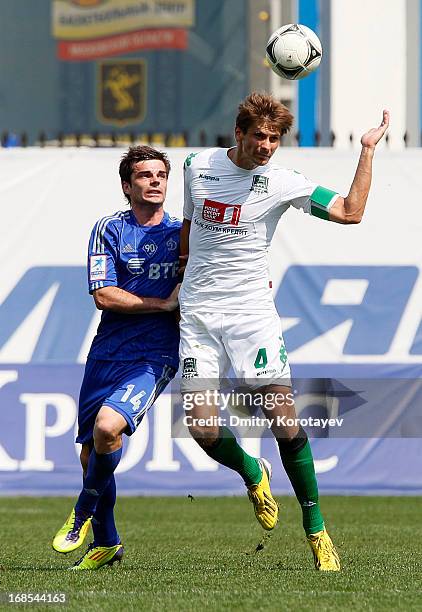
column 201, row 554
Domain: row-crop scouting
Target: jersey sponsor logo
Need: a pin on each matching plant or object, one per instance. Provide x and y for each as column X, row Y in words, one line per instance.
column 208, row 177
column 150, row 248
column 171, row 244
column 128, row 248
column 259, row 184
column 135, row 265
column 97, row 267
column 165, row 269
column 221, row 229
column 190, row 369
column 221, row 213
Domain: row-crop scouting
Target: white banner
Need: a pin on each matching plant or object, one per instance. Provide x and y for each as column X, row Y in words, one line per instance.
column 345, row 294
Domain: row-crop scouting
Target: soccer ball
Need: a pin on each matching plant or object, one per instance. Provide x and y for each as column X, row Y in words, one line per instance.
column 294, row 51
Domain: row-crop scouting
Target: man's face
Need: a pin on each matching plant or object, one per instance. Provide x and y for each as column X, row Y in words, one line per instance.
column 257, row 146
column 148, row 183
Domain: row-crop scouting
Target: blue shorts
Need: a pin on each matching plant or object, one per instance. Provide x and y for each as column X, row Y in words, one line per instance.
column 129, row 387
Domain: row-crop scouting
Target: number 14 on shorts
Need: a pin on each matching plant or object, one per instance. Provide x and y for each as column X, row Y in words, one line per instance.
column 134, row 400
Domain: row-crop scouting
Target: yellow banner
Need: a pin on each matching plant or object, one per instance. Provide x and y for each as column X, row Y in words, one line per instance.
column 85, row 19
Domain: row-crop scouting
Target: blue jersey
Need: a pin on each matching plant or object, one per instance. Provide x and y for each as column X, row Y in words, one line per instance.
column 143, row 260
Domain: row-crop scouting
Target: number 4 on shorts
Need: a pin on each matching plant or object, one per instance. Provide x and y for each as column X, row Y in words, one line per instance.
column 261, row 359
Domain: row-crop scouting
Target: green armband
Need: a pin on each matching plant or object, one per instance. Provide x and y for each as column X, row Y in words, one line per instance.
column 321, row 198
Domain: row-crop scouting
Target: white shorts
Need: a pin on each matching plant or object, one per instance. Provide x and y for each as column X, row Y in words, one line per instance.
column 251, row 343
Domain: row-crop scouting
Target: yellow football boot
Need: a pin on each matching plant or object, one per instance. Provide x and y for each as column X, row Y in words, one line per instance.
column 265, row 506
column 72, row 534
column 98, row 556
column 326, row 558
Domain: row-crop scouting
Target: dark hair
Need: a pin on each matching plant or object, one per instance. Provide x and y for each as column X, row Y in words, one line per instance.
column 258, row 107
column 137, row 154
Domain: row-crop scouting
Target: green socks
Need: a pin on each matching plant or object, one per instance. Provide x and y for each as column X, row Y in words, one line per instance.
column 298, row 463
column 299, row 466
column 228, row 452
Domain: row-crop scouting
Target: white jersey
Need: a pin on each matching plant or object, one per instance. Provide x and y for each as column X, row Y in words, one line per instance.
column 234, row 213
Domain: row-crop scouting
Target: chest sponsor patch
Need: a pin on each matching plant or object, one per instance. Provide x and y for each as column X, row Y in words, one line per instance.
column 135, row 265
column 97, row 267
column 217, row 212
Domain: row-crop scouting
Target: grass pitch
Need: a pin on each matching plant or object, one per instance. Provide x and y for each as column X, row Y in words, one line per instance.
column 184, row 554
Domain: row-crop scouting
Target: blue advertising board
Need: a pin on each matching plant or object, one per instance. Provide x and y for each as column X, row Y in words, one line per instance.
column 378, row 405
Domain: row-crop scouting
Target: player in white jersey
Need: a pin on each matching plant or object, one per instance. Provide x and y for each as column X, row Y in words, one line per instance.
column 233, row 201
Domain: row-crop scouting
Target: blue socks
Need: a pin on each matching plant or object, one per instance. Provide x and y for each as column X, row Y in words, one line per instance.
column 103, row 525
column 100, row 471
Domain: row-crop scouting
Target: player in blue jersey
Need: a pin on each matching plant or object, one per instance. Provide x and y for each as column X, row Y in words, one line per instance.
column 133, row 277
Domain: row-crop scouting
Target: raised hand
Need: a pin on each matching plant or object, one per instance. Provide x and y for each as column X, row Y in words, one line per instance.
column 373, row 136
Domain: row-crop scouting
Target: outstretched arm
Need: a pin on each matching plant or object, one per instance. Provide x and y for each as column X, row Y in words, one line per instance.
column 350, row 209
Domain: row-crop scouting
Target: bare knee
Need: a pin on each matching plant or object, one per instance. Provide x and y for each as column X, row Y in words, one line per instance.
column 202, row 420
column 108, row 429
column 104, row 434
column 278, row 406
column 206, row 437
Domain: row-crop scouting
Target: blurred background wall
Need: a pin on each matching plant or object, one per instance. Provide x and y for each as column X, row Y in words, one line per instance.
column 172, row 72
